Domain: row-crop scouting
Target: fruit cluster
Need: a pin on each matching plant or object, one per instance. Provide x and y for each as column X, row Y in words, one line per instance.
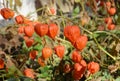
column 72, row 33
column 80, row 66
column 109, row 7
column 111, row 11
column 60, row 45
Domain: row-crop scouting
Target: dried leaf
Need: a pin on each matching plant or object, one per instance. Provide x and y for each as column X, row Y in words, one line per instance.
column 114, row 68
column 10, row 41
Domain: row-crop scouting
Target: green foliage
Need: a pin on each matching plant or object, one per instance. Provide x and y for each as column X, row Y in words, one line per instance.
column 19, row 79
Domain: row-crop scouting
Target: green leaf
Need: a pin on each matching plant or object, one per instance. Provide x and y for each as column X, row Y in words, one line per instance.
column 118, row 19
column 118, row 79
column 96, row 35
column 13, row 79
column 38, row 39
column 13, row 70
column 38, row 47
column 25, row 79
column 45, row 74
column 44, row 69
column 76, row 10
column 19, row 79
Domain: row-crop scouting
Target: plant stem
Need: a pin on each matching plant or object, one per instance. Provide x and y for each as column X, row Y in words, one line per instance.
column 36, row 11
column 86, row 30
column 63, row 41
column 109, row 33
column 82, row 5
column 63, row 22
column 100, row 47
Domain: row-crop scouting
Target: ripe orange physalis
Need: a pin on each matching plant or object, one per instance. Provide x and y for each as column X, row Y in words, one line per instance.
column 83, row 63
column 1, row 63
column 81, row 42
column 108, row 20
column 19, row 19
column 93, row 67
column 76, row 57
column 41, row 29
column 21, row 29
column 29, row 42
column 7, row 13
column 25, row 37
column 29, row 73
column 52, row 11
column 33, row 54
column 77, row 67
column 29, row 30
column 59, row 51
column 67, row 32
column 112, row 11
column 111, row 27
column 108, row 4
column 77, row 75
column 41, row 61
column 46, row 52
column 52, row 30
column 77, row 71
column 72, row 33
